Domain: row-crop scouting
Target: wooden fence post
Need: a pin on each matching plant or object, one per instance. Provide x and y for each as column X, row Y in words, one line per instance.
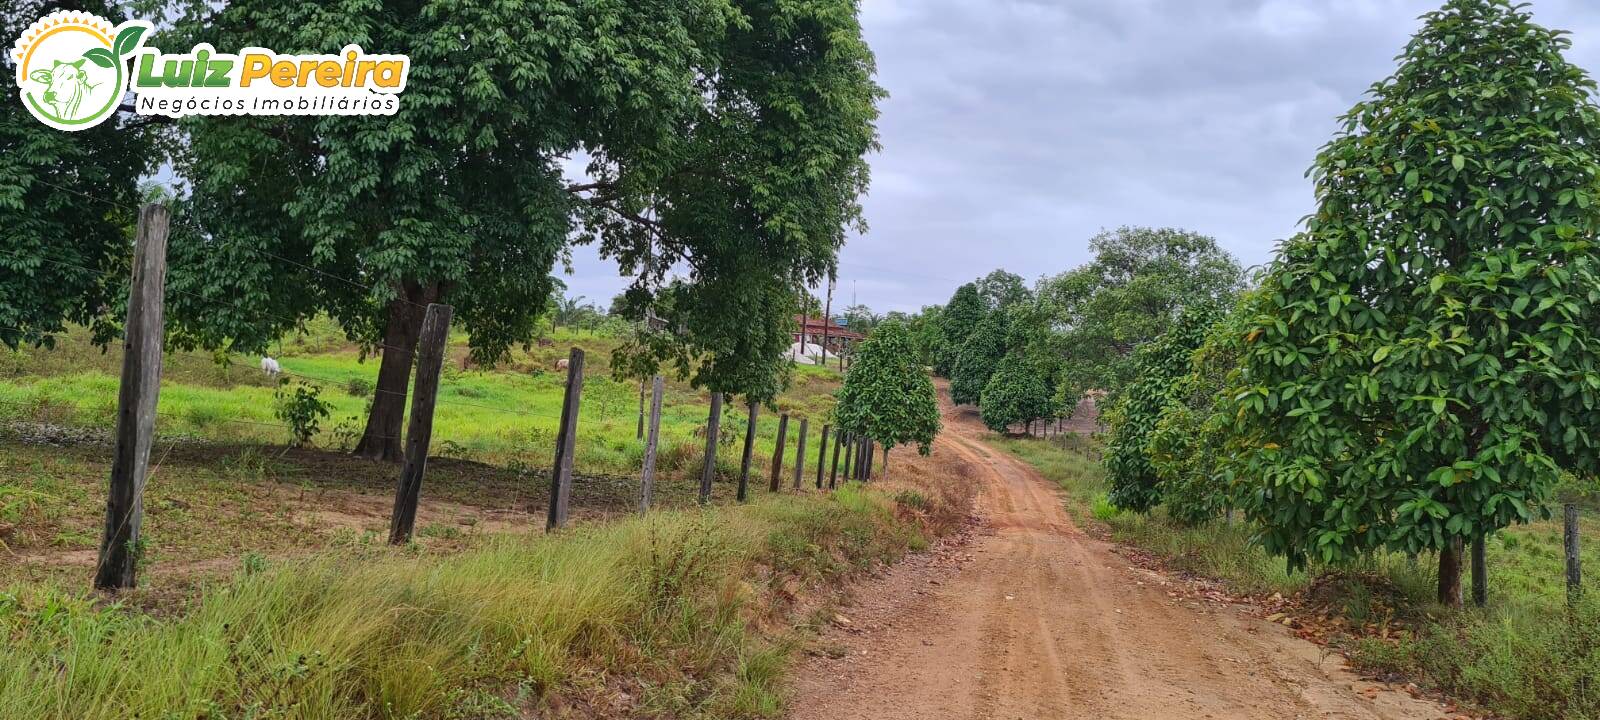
column 424, row 395
column 713, row 434
column 822, row 455
column 137, row 396
column 777, row 454
column 840, row 438
column 749, row 451
column 800, row 452
column 850, row 448
column 1569, row 521
column 647, row 480
column 885, row 474
column 566, row 444
column 866, row 468
column 1480, row 573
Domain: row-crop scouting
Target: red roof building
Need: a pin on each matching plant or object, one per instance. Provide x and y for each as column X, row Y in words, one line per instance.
column 810, row 330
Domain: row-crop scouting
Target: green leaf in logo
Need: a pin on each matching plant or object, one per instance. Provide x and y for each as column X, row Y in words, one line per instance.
column 127, row 40
column 101, row 57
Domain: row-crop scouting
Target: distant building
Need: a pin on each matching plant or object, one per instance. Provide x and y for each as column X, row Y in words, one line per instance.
column 809, row 330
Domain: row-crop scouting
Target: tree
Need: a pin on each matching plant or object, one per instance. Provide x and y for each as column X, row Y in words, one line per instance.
column 725, row 136
column 1015, row 393
column 927, row 333
column 1135, row 409
column 960, row 317
column 1140, row 280
column 886, row 395
column 980, row 353
column 860, row 318
column 1423, row 360
column 1000, row 290
column 67, row 204
column 1188, row 446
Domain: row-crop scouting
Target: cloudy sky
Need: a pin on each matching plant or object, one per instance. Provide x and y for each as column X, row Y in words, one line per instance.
column 1017, row 129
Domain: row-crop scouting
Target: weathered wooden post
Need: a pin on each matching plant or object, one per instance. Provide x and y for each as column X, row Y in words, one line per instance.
column 424, row 396
column 777, row 454
column 840, row 439
column 1569, row 521
column 713, row 430
column 647, row 479
column 822, row 455
column 866, row 467
column 1480, row 573
column 800, row 452
column 749, row 451
column 850, row 449
column 566, row 444
column 121, row 545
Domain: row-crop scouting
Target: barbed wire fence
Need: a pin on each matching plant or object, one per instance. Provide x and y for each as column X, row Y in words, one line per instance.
column 136, row 433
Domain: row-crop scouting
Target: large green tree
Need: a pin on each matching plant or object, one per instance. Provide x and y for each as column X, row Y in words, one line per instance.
column 66, row 207
column 1016, row 393
column 1424, row 358
column 724, row 139
column 1135, row 409
column 1140, row 280
column 981, row 352
column 956, row 322
column 887, row 395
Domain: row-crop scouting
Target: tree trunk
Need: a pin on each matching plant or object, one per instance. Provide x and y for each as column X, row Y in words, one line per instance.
column 1450, row 573
column 1480, row 572
column 1569, row 521
column 382, row 439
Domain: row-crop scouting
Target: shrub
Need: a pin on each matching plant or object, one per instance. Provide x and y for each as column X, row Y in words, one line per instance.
column 302, row 410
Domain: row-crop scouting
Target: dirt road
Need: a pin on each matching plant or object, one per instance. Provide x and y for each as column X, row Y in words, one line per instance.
column 1035, row 619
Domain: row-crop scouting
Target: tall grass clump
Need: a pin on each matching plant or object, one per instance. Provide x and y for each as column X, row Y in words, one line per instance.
column 388, row 634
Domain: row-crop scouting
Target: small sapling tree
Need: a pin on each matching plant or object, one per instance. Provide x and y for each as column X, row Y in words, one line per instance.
column 887, row 396
column 1423, row 361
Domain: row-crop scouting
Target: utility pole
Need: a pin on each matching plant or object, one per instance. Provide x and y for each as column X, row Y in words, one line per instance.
column 827, row 313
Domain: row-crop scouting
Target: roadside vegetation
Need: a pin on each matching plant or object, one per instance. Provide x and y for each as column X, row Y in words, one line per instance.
column 1527, row 655
column 678, row 614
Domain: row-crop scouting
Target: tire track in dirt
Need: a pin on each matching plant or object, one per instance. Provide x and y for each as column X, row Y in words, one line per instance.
column 1043, row 621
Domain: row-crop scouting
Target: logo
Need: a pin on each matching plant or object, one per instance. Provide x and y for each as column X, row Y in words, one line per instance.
column 71, row 67
column 74, row 68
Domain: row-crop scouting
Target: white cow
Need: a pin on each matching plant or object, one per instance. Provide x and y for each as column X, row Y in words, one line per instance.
column 270, row 366
column 68, row 86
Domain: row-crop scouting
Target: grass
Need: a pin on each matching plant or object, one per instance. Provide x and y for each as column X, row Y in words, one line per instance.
column 666, row 607
column 506, row 415
column 1526, row 656
column 270, row 594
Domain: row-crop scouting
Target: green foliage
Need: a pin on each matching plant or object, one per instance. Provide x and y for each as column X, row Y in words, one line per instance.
column 980, row 353
column 1141, row 279
column 65, row 226
column 302, row 410
column 1135, row 410
column 887, row 395
column 724, row 134
column 957, row 321
column 1424, row 359
column 1191, row 435
column 369, row 633
column 1015, row 393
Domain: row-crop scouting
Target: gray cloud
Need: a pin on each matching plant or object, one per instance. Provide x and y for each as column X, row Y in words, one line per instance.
column 1017, row 129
